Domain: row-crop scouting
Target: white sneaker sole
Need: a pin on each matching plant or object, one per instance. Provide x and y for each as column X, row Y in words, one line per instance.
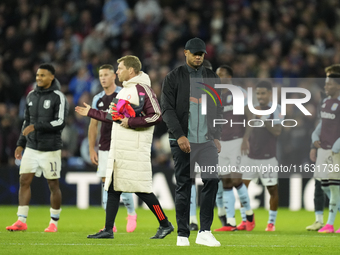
column 314, row 229
column 202, row 242
column 183, row 244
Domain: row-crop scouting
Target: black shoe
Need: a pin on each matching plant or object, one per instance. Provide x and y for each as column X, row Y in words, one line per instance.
column 102, row 234
column 223, row 220
column 163, row 231
column 193, row 227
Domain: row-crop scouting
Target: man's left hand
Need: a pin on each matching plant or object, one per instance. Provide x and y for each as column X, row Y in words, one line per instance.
column 125, row 122
column 28, row 130
column 218, row 145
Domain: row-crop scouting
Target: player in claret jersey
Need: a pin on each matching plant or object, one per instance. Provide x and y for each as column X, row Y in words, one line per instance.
column 101, row 102
column 234, row 145
column 319, row 194
column 326, row 138
column 262, row 151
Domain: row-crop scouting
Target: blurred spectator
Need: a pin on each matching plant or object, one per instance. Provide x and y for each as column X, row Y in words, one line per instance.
column 84, row 26
column 149, row 15
column 4, row 84
column 70, row 14
column 93, row 43
column 69, row 135
column 50, row 53
column 9, row 135
column 80, row 84
column 115, row 14
column 69, row 46
column 95, row 7
column 148, row 11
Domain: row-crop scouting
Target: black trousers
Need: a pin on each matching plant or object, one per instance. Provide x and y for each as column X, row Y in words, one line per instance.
column 149, row 198
column 205, row 155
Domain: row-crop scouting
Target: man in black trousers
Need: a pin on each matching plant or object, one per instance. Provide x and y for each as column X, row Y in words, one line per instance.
column 189, row 110
column 129, row 161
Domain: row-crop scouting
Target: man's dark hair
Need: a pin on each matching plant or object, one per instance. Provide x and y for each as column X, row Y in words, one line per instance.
column 228, row 69
column 264, row 84
column 207, row 64
column 48, row 67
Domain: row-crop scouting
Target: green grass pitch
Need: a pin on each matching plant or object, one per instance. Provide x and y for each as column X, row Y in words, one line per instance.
column 290, row 236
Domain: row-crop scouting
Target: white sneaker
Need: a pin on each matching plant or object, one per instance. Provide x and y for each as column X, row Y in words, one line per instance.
column 206, row 238
column 182, row 241
column 315, row 226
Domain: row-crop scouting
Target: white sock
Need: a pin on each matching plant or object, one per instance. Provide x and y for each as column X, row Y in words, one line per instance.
column 55, row 215
column 221, row 211
column 128, row 202
column 249, row 212
column 22, row 213
column 193, row 219
column 231, row 221
column 319, row 218
column 104, row 196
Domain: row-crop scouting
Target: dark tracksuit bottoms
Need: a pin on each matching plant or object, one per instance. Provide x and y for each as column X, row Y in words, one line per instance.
column 149, row 198
column 205, row 154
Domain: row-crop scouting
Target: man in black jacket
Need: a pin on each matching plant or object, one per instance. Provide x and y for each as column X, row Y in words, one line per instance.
column 193, row 137
column 45, row 113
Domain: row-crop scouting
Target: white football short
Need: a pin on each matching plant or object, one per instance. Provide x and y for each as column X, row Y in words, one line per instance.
column 102, row 163
column 230, row 157
column 265, row 169
column 327, row 166
column 47, row 163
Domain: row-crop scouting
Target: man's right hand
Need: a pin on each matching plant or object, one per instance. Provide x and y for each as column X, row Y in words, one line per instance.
column 94, row 157
column 18, row 152
column 184, row 144
column 83, row 111
column 317, row 144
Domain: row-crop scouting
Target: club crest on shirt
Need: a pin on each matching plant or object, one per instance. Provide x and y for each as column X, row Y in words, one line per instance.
column 334, row 106
column 229, row 98
column 101, row 104
column 47, row 104
column 128, row 97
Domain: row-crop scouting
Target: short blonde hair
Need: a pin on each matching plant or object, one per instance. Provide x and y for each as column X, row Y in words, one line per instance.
column 131, row 61
column 333, row 69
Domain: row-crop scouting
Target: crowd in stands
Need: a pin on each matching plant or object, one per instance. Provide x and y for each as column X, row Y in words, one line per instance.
column 281, row 39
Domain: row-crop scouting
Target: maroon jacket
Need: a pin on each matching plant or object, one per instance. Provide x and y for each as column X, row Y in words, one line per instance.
column 150, row 110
